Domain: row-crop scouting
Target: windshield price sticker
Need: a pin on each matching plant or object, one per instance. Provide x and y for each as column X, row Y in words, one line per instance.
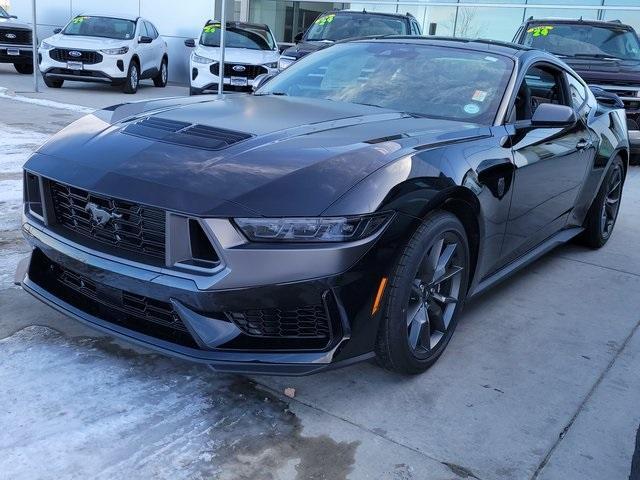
column 540, row 30
column 79, row 19
column 325, row 19
column 211, row 28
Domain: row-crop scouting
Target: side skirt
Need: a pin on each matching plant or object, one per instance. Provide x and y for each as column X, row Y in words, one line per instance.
column 505, row 272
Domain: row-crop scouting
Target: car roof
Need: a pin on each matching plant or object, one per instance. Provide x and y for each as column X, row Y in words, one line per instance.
column 133, row 18
column 242, row 24
column 482, row 45
column 574, row 21
column 365, row 12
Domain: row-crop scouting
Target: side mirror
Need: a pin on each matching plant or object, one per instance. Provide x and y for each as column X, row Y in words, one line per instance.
column 550, row 115
column 145, row 39
column 261, row 79
column 13, row 16
column 298, row 37
column 57, row 30
column 190, row 42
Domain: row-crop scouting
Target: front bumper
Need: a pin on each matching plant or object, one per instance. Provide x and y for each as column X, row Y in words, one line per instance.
column 25, row 53
column 634, row 141
column 212, row 337
column 112, row 69
column 203, row 80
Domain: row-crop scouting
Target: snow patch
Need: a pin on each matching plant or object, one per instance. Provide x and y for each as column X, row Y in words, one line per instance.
column 45, row 103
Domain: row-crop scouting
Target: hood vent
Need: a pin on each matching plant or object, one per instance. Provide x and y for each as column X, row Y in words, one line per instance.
column 182, row 133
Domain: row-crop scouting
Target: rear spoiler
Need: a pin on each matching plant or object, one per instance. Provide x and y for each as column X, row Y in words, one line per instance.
column 604, row 97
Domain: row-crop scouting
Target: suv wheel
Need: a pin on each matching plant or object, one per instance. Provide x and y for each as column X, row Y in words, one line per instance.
column 24, row 68
column 53, row 82
column 133, row 78
column 425, row 295
column 160, row 80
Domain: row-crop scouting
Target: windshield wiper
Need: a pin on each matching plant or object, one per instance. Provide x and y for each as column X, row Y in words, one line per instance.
column 596, row 55
column 278, row 94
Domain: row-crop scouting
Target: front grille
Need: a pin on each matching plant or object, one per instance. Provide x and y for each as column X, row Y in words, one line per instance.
column 86, row 56
column 15, row 36
column 104, row 221
column 250, row 71
column 135, row 312
column 309, row 321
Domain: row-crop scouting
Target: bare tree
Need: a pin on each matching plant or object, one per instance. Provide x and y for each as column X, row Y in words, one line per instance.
column 466, row 23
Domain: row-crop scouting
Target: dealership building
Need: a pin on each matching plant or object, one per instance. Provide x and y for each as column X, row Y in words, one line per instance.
column 177, row 21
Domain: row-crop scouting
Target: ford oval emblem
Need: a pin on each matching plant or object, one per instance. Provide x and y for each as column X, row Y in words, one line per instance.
column 75, row 53
column 10, row 35
column 239, row 68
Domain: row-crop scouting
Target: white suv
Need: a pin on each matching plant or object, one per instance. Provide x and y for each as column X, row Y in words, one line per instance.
column 94, row 48
column 250, row 50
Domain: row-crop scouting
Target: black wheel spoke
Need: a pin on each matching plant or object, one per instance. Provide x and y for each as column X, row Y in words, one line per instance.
column 446, row 275
column 419, row 331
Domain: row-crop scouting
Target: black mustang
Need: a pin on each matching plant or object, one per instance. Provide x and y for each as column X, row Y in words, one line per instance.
column 345, row 210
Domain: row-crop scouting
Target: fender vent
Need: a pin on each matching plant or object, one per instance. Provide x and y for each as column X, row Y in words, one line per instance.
column 182, row 133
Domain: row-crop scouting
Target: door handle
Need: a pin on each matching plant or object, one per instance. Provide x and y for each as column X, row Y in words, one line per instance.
column 583, row 144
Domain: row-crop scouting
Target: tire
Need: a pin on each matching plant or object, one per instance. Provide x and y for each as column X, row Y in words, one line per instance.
column 603, row 213
column 160, row 80
column 133, row 78
column 24, row 68
column 53, row 82
column 411, row 286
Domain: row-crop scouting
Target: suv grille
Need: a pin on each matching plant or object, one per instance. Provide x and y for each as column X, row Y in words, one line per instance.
column 135, row 312
column 309, row 321
column 15, row 36
column 107, row 221
column 86, row 57
column 250, row 71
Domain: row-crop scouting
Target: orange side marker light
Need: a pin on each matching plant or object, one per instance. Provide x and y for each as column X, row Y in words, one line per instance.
column 376, row 303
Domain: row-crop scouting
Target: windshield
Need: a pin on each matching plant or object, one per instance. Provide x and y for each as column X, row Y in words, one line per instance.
column 338, row 27
column 238, row 36
column 584, row 40
column 105, row 27
column 3, row 12
column 424, row 80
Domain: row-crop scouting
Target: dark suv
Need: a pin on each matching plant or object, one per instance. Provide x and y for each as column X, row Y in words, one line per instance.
column 15, row 43
column 604, row 54
column 342, row 24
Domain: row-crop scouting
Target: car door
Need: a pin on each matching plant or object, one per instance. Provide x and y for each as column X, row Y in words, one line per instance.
column 157, row 45
column 550, row 163
column 145, row 50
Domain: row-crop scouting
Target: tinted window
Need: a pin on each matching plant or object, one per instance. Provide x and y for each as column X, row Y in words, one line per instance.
column 101, row 27
column 584, row 40
column 238, row 36
column 425, row 80
column 540, row 85
column 577, row 91
column 339, row 26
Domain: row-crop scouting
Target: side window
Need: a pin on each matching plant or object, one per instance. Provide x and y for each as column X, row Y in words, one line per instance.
column 151, row 30
column 415, row 27
column 541, row 84
column 577, row 91
column 143, row 29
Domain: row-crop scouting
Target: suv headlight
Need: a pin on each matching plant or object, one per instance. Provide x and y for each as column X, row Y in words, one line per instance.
column 46, row 46
column 115, row 51
column 314, row 229
column 199, row 59
column 285, row 62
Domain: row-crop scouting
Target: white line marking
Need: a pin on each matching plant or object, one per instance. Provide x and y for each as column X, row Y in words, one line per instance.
column 45, row 103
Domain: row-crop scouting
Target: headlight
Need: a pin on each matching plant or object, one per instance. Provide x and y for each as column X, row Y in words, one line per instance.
column 46, row 46
column 271, row 65
column 116, row 51
column 285, row 62
column 315, row 229
column 199, row 59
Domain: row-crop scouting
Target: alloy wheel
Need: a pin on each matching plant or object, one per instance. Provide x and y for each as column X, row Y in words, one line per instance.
column 435, row 292
column 134, row 78
column 611, row 203
column 163, row 72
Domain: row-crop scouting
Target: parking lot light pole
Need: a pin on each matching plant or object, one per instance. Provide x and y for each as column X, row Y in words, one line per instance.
column 223, row 30
column 34, row 43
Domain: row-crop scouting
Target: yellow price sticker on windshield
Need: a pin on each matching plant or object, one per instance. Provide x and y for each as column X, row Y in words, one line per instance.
column 78, row 20
column 325, row 19
column 211, row 28
column 540, row 31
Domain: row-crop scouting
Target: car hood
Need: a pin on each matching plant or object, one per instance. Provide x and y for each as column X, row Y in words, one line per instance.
column 302, row 154
column 303, row 48
column 239, row 55
column 81, row 42
column 12, row 23
column 601, row 70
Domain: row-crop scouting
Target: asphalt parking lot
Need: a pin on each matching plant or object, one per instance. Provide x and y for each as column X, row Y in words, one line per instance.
column 541, row 380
